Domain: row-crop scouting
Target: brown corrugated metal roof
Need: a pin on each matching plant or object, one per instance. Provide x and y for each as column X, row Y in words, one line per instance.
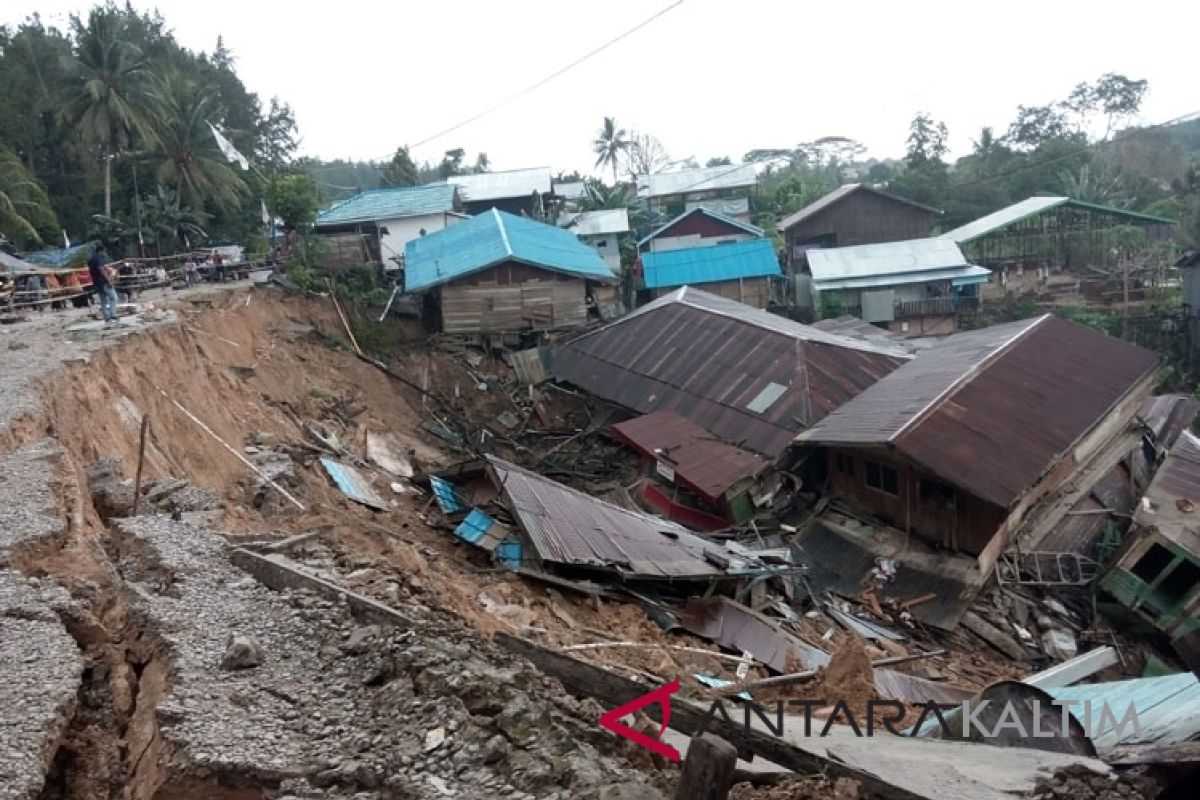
column 566, row 526
column 991, row 410
column 856, row 328
column 700, row 460
column 824, row 202
column 737, row 627
column 710, row 359
column 1177, row 479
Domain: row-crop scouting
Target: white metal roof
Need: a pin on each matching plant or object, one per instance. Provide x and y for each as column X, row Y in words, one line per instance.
column 571, row 190
column 1005, row 216
column 498, row 185
column 887, row 258
column 706, row 179
column 592, row 223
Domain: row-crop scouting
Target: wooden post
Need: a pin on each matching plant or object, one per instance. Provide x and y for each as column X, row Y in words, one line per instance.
column 137, row 481
column 708, row 767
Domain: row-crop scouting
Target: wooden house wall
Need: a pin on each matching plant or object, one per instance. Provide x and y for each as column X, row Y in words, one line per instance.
column 751, row 291
column 969, row 526
column 513, row 297
column 863, row 218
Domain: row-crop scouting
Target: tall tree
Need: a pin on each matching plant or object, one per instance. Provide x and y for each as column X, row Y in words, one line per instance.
column 168, row 224
column 109, row 102
column 646, row 154
column 23, row 203
column 401, row 170
column 610, row 145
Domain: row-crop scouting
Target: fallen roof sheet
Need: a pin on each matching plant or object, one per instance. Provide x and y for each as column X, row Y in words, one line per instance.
column 495, row 237
column 752, row 258
column 566, row 526
column 352, row 484
column 837, row 195
column 700, row 461
column 1168, row 709
column 705, row 179
column 725, row 219
column 1031, row 206
column 710, row 359
column 741, row 629
column 1174, row 490
column 1024, row 392
column 381, row 204
column 485, row 186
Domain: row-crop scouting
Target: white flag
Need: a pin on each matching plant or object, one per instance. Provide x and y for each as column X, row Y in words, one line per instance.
column 66, row 240
column 266, row 218
column 228, row 150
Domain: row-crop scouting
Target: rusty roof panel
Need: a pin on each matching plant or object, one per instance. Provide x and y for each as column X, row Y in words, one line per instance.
column 737, row 627
column 1178, row 480
column 701, row 461
column 566, row 526
column 991, row 410
column 709, row 359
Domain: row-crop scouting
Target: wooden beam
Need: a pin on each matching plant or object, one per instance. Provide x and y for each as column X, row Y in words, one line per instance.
column 1073, row 670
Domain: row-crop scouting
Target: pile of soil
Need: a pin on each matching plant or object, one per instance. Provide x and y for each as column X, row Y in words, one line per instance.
column 814, row 788
column 849, row 678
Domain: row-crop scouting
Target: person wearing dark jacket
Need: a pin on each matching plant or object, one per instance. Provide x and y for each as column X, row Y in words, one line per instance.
column 102, row 285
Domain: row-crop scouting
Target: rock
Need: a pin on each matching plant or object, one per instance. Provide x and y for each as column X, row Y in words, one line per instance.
column 242, row 652
column 629, row 791
column 495, row 750
column 361, row 640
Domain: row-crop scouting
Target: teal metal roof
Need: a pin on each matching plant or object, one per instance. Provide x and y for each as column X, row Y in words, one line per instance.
column 1167, row 707
column 494, row 237
column 376, row 204
column 753, row 258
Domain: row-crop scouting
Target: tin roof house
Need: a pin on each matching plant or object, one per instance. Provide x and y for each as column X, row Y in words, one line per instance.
column 725, row 189
column 374, row 226
column 745, row 271
column 958, row 445
column 517, row 191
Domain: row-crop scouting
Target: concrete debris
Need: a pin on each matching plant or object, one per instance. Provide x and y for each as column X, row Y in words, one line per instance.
column 242, row 652
column 112, row 493
column 388, row 453
column 1080, row 783
column 1059, row 644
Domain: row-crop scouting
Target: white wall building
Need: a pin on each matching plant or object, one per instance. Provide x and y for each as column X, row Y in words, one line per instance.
column 385, row 220
column 602, row 230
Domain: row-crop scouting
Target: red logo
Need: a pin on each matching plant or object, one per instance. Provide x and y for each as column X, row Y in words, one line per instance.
column 662, row 696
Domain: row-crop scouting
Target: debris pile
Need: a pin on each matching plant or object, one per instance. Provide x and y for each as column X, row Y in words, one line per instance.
column 1080, row 783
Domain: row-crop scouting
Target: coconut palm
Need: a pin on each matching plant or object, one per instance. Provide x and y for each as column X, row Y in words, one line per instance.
column 20, row 196
column 188, row 160
column 610, row 144
column 169, row 222
column 108, row 103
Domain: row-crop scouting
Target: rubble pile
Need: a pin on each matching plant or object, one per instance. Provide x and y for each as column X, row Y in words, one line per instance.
column 113, row 494
column 1078, row 783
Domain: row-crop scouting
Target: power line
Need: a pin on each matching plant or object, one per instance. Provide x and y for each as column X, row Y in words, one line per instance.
column 552, row 76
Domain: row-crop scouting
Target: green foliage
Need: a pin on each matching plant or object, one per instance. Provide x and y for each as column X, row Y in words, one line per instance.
column 610, row 145
column 25, row 213
column 293, row 198
column 402, row 170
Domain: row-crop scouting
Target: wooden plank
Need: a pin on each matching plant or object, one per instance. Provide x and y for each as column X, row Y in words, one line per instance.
column 994, row 636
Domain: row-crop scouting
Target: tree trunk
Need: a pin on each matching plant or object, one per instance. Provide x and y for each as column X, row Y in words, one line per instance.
column 107, row 184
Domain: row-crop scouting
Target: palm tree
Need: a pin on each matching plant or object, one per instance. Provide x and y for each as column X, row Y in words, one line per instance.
column 610, row 144
column 189, row 161
column 169, row 222
column 108, row 102
column 20, row 196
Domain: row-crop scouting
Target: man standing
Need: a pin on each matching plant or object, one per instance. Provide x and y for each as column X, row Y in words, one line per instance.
column 102, row 285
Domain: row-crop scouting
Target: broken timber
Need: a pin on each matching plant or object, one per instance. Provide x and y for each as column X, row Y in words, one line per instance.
column 994, row 636
column 608, row 687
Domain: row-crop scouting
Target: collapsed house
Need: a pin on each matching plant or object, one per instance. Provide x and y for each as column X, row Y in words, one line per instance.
column 501, row 275
column 1154, row 583
column 750, row 378
column 959, row 444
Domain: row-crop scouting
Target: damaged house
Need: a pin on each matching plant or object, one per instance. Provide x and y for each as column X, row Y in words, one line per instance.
column 750, row 378
column 498, row 274
column 1155, row 580
column 960, row 443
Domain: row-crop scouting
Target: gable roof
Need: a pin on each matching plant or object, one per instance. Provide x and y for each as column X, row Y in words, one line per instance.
column 379, row 204
column 500, row 185
column 702, row 211
column 705, row 179
column 991, row 410
column 595, row 223
column 566, row 526
column 749, row 377
column 494, row 237
column 891, row 263
column 841, row 193
column 1177, row 479
column 753, row 258
column 1032, row 206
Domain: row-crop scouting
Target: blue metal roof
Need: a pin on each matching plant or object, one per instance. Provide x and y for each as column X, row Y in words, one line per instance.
column 753, row 258
column 494, row 237
column 1167, row 708
column 375, row 204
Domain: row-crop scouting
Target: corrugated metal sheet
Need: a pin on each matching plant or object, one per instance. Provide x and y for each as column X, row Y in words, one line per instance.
column 753, row 230
column 16, row 266
column 822, row 203
column 1169, row 415
column 959, row 276
column 380, row 204
column 886, row 259
column 494, row 237
column 702, row 462
column 741, row 629
column 753, row 258
column 571, row 190
column 1168, row 709
column 352, row 484
column 566, row 526
column 911, row 689
column 689, row 181
column 1178, row 479
column 502, row 185
column 707, row 358
column 446, row 496
column 594, row 223
column 1030, row 206
column 856, row 328
column 1023, row 393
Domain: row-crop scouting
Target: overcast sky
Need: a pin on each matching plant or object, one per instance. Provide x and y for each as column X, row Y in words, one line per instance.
column 708, row 78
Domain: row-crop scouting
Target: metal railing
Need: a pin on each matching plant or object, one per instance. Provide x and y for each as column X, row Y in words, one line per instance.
column 935, row 305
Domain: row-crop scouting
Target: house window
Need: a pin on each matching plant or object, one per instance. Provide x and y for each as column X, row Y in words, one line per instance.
column 883, row 478
column 936, row 495
column 601, row 243
column 1152, row 563
column 1179, row 583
